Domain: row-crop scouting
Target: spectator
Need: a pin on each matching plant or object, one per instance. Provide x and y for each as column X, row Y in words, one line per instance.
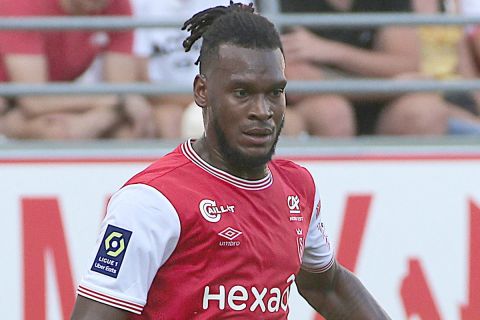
column 387, row 52
column 470, row 61
column 38, row 57
column 162, row 58
column 447, row 53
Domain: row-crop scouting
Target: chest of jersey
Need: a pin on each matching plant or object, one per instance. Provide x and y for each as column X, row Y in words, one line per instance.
column 258, row 228
column 239, row 250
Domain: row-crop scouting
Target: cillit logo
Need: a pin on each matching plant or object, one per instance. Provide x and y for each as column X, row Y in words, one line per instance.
column 239, row 298
column 213, row 213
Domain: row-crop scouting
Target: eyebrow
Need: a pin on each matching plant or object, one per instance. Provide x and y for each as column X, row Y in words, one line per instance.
column 246, row 83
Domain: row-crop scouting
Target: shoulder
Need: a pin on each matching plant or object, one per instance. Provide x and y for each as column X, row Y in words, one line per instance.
column 288, row 166
column 170, row 166
column 291, row 171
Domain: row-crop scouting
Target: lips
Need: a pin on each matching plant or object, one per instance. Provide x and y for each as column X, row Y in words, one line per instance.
column 259, row 135
column 259, row 131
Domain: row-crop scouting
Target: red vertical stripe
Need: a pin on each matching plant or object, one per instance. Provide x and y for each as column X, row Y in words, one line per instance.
column 472, row 309
column 416, row 294
column 353, row 230
column 43, row 232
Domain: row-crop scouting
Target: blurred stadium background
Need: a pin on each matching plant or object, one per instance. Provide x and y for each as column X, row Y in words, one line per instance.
column 403, row 212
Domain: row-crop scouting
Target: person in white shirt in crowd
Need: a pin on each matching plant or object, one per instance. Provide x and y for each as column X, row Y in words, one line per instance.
column 162, row 59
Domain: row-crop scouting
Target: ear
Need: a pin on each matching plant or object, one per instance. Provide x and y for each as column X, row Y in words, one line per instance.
column 200, row 90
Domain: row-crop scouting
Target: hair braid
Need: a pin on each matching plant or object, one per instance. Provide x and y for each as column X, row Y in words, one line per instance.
column 236, row 24
column 200, row 22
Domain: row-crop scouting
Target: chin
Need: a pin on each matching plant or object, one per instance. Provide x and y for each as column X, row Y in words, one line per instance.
column 251, row 158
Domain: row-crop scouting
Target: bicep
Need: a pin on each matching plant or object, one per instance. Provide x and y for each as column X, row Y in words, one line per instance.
column 150, row 228
column 399, row 41
column 92, row 310
column 30, row 68
column 466, row 61
column 316, row 282
column 120, row 67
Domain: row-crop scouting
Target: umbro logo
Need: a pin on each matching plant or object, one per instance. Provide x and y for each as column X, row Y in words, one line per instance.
column 230, row 234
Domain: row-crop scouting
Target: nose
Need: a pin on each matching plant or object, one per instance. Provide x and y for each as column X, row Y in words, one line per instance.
column 261, row 109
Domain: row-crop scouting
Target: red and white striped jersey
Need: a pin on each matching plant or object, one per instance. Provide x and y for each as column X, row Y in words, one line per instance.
column 185, row 240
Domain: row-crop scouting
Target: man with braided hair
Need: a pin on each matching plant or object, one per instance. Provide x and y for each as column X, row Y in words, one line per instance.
column 216, row 229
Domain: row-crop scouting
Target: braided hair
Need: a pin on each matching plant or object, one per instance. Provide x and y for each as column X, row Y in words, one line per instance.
column 236, row 24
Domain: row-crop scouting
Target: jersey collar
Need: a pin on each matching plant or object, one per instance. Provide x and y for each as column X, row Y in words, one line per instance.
column 260, row 184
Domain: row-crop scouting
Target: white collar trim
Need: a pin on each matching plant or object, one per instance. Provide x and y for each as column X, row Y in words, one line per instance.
column 260, row 184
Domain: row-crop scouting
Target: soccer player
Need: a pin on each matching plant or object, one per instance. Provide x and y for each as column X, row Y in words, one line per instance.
column 216, row 229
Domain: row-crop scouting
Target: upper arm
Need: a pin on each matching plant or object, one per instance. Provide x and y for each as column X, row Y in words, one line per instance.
column 139, row 233
column 466, row 62
column 322, row 282
column 29, row 68
column 402, row 41
column 23, row 49
column 86, row 309
column 120, row 67
column 318, row 255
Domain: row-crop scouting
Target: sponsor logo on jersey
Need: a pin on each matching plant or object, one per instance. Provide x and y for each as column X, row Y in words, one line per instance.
column 231, row 234
column 300, row 243
column 239, row 298
column 293, row 203
column 213, row 212
column 112, row 251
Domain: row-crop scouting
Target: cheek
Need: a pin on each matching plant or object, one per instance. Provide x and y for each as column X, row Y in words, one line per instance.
column 279, row 109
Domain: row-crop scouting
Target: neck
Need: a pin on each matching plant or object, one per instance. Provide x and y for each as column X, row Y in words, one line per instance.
column 213, row 156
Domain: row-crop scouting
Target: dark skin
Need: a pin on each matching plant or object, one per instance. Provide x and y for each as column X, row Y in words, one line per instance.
column 244, row 92
column 243, row 99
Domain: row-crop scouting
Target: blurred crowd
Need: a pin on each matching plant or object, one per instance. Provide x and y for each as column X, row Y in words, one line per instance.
column 156, row 55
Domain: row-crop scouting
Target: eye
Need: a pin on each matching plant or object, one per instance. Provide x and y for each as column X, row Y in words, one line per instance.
column 278, row 92
column 240, row 93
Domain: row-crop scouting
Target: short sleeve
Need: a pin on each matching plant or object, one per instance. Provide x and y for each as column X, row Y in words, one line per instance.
column 120, row 41
column 19, row 41
column 318, row 255
column 139, row 233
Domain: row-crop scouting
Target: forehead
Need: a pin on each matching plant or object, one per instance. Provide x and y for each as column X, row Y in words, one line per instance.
column 237, row 63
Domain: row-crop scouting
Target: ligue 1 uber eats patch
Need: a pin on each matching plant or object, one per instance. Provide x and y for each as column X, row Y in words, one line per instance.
column 111, row 252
